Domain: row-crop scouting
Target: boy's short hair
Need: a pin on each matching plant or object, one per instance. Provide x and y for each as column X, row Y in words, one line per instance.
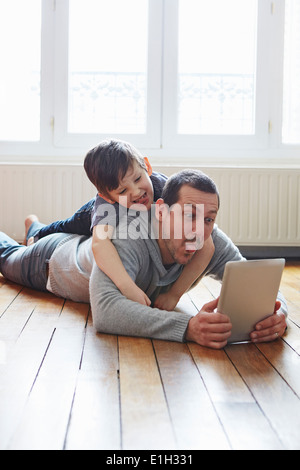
column 194, row 178
column 108, row 162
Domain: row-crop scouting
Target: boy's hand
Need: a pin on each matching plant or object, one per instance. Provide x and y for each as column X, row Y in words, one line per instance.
column 133, row 292
column 167, row 301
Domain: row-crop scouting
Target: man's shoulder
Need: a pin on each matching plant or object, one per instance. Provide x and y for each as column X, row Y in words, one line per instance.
column 220, row 238
column 225, row 250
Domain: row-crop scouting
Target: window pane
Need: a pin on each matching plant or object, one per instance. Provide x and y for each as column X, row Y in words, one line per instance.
column 217, row 66
column 291, row 92
column 20, row 58
column 108, row 42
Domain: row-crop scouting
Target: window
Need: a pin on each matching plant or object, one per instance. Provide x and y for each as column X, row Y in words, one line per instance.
column 20, row 58
column 108, row 72
column 192, row 79
column 291, row 91
column 107, row 85
column 216, row 67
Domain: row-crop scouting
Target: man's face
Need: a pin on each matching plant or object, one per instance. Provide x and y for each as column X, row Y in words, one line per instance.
column 191, row 205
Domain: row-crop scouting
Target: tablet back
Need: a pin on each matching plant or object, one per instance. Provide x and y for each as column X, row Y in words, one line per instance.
column 248, row 294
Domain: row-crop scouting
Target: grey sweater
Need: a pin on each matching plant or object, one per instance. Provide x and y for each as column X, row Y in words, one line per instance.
column 74, row 275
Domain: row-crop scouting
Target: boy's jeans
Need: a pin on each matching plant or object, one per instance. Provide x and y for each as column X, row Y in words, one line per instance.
column 79, row 223
column 28, row 265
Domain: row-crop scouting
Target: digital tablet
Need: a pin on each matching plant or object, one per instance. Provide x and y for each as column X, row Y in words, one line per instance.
column 248, row 294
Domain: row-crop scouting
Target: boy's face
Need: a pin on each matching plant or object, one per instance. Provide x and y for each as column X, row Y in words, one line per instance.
column 135, row 188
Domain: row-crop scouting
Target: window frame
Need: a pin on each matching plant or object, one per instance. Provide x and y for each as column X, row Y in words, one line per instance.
column 161, row 142
column 62, row 138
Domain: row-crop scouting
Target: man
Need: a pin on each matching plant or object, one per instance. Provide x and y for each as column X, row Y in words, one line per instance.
column 154, row 263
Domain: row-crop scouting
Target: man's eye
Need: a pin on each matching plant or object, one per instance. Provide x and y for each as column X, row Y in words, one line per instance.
column 208, row 220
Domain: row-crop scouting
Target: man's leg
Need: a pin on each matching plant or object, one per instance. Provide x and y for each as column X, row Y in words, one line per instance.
column 27, row 265
column 10, row 255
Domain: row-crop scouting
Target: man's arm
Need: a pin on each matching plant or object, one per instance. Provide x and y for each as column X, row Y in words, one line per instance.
column 115, row 314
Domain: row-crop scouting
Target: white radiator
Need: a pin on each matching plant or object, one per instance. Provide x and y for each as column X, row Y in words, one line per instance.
column 259, row 207
column 51, row 191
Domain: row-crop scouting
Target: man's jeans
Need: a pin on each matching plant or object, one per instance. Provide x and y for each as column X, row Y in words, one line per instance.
column 79, row 223
column 28, row 265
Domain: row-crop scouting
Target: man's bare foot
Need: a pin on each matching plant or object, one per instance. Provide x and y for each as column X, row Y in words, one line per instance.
column 28, row 222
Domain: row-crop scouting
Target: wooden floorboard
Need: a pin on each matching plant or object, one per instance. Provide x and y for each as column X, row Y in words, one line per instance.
column 62, row 386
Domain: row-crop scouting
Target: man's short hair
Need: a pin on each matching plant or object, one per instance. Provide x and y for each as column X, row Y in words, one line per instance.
column 108, row 162
column 194, row 178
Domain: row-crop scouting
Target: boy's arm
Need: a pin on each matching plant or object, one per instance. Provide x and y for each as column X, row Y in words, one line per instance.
column 189, row 275
column 108, row 260
column 115, row 314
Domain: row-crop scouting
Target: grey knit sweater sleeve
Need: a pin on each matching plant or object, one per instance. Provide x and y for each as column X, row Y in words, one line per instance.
column 115, row 314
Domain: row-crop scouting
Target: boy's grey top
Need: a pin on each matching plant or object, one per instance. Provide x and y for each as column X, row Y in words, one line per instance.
column 73, row 274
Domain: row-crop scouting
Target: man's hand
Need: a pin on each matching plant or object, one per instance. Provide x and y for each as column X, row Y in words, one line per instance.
column 270, row 328
column 209, row 328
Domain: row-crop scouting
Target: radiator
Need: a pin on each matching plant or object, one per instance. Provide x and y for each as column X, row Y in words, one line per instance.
column 259, row 207
column 51, row 191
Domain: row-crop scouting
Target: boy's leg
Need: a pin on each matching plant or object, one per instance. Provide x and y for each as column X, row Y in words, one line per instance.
column 27, row 265
column 32, row 227
column 79, row 223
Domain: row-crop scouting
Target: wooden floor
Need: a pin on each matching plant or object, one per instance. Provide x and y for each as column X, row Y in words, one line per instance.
column 62, row 386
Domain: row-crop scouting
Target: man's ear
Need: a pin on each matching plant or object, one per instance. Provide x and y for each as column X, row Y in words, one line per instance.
column 148, row 166
column 161, row 209
column 106, row 198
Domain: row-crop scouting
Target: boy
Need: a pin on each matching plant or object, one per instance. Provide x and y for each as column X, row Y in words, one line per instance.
column 123, row 178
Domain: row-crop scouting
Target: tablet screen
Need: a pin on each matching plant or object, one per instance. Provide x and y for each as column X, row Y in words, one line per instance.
column 248, row 294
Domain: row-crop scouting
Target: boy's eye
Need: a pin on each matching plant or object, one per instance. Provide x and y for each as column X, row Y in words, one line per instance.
column 137, row 179
column 123, row 191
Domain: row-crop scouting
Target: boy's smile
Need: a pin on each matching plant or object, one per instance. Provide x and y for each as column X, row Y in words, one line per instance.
column 144, row 199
